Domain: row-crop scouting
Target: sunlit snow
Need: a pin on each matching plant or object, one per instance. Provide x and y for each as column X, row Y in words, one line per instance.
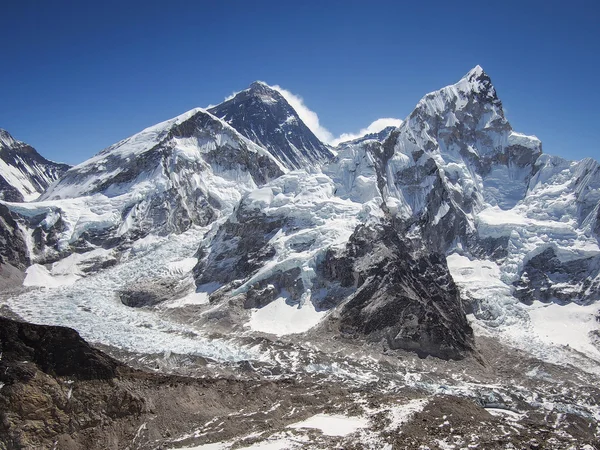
column 333, row 425
column 280, row 318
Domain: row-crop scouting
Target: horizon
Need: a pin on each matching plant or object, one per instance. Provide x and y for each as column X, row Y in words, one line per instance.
column 83, row 78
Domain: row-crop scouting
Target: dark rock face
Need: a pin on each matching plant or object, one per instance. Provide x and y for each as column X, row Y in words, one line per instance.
column 57, row 351
column 546, row 278
column 261, row 114
column 202, row 126
column 24, row 159
column 151, row 292
column 239, row 248
column 267, row 290
column 13, row 249
column 404, row 294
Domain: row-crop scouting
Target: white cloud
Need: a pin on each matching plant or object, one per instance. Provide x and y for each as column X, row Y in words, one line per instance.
column 310, row 118
column 375, row 127
column 233, row 94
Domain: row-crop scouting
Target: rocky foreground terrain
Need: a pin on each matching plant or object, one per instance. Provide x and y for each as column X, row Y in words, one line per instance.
column 58, row 392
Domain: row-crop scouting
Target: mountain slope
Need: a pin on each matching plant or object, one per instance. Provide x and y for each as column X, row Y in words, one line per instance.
column 262, row 115
column 332, row 250
column 183, row 172
column 454, row 179
column 24, row 173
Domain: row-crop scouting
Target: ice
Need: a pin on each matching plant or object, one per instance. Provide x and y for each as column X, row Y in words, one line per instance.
column 193, row 298
column 317, row 220
column 91, row 305
column 63, row 272
column 441, row 212
column 182, row 266
column 566, row 325
column 260, row 198
column 19, row 180
column 481, row 280
column 119, row 159
column 400, row 414
column 549, row 331
column 277, row 444
column 281, row 318
column 511, row 415
column 213, row 446
column 37, row 275
column 333, row 425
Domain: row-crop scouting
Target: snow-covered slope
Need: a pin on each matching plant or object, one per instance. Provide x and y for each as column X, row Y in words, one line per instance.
column 454, row 155
column 262, row 115
column 24, row 173
column 185, row 171
column 378, row 136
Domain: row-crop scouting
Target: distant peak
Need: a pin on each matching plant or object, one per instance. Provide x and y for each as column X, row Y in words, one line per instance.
column 261, row 87
column 6, row 138
column 258, row 84
column 477, row 75
column 475, row 72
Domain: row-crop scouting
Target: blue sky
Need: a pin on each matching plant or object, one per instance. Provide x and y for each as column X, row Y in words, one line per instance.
column 78, row 76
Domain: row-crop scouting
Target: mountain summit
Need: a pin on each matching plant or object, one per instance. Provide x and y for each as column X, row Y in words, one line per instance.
column 264, row 116
column 24, row 173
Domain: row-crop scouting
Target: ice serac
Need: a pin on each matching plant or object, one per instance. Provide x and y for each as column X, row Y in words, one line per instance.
column 24, row 173
column 186, row 171
column 321, row 242
column 263, row 115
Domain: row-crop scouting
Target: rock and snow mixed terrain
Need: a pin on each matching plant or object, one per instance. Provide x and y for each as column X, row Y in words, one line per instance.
column 24, row 173
column 447, row 263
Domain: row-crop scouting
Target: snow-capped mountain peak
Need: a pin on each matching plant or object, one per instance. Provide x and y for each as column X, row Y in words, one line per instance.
column 264, row 116
column 24, row 173
column 362, row 240
column 6, row 140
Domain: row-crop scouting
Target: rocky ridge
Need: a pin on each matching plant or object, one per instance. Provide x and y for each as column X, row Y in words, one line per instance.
column 24, row 173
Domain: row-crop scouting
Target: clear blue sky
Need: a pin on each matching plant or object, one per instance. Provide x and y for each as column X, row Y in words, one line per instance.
column 78, row 76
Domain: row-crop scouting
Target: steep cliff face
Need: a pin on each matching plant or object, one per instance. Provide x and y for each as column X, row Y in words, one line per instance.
column 13, row 248
column 403, row 294
column 262, row 114
column 454, row 155
column 24, row 173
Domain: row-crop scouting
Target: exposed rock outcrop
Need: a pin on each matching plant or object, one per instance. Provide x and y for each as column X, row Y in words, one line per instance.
column 403, row 294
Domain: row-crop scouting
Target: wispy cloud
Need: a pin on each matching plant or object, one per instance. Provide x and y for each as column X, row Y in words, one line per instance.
column 311, row 119
column 375, row 127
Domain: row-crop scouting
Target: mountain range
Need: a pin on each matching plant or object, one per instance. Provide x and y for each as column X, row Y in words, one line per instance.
column 237, row 222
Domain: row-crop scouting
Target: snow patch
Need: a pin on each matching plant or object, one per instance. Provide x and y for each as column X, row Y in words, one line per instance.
column 281, row 318
column 37, row 275
column 333, row 425
column 566, row 325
